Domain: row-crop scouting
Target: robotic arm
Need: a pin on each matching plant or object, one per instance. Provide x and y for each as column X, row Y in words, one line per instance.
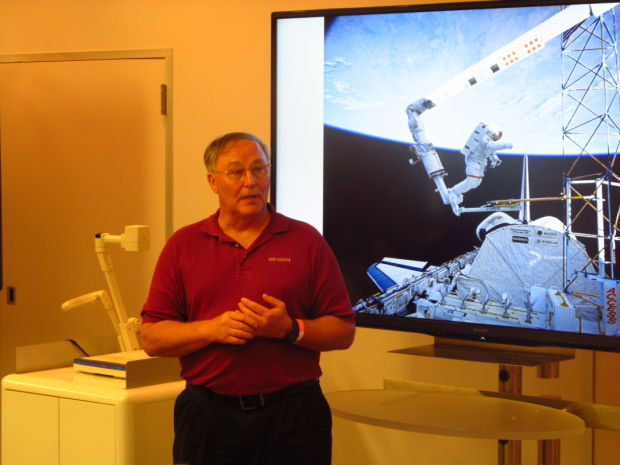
column 507, row 56
column 480, row 150
column 423, row 149
column 136, row 238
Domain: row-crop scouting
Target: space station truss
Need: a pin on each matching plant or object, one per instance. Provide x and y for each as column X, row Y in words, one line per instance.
column 591, row 129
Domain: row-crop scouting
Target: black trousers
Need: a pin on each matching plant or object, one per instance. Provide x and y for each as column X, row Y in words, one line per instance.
column 293, row 428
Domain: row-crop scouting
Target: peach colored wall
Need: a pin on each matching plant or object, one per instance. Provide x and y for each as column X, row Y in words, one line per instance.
column 221, row 56
column 221, row 82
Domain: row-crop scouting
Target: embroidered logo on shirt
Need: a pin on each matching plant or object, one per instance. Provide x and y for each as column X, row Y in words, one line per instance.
column 279, row 259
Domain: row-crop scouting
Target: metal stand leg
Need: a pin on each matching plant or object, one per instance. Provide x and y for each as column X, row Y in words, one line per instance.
column 549, row 450
column 509, row 452
column 510, row 381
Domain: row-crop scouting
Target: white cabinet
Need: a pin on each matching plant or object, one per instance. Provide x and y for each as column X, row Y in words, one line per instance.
column 60, row 417
column 84, row 429
column 30, row 432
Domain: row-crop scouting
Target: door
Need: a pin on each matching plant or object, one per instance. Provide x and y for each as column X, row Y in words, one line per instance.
column 83, row 148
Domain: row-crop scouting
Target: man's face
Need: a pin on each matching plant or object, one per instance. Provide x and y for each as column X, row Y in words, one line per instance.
column 245, row 198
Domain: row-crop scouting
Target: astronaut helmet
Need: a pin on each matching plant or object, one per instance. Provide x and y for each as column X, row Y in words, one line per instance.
column 494, row 131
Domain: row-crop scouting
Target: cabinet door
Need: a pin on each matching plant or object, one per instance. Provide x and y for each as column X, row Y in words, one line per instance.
column 29, row 429
column 154, row 432
column 86, row 433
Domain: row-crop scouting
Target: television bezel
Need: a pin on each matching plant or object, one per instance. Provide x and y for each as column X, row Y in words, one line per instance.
column 485, row 333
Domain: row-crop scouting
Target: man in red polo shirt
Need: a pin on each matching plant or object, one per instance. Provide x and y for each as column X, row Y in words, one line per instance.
column 247, row 299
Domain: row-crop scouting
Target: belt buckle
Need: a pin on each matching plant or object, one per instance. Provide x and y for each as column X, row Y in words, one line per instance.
column 246, row 405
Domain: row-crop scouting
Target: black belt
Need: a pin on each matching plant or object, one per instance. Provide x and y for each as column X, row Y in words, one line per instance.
column 254, row 401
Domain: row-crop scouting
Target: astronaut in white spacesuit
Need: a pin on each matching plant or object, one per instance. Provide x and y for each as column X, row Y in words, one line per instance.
column 480, row 150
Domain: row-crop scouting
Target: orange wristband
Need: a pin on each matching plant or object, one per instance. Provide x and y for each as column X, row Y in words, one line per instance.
column 301, row 331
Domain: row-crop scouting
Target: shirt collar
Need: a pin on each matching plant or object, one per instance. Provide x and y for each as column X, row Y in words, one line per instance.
column 278, row 224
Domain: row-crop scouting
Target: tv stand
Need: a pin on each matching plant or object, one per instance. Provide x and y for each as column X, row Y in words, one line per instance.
column 476, row 351
column 511, row 359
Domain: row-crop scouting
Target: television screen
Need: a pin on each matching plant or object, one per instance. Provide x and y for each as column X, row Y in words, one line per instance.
column 460, row 159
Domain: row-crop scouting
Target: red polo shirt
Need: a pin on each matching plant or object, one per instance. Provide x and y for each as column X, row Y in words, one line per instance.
column 201, row 273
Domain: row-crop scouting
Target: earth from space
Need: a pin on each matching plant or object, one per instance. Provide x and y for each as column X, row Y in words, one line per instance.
column 377, row 64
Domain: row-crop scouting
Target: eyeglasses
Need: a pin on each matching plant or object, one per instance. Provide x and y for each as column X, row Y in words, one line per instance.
column 258, row 172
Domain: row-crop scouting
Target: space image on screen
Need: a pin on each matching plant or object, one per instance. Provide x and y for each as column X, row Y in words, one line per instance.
column 460, row 159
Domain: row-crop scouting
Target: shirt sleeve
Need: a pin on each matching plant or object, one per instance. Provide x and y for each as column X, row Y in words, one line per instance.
column 331, row 296
column 166, row 298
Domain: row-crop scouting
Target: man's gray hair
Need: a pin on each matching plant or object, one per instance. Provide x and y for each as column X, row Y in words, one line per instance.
column 222, row 143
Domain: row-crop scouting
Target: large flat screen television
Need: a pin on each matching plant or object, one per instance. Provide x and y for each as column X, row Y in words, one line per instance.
column 460, row 159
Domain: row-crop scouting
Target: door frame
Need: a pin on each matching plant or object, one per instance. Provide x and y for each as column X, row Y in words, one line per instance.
column 144, row 54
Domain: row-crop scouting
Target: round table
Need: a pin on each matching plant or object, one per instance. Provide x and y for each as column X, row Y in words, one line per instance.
column 474, row 416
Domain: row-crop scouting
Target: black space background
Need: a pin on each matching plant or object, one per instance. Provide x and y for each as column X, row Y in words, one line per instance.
column 377, row 205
